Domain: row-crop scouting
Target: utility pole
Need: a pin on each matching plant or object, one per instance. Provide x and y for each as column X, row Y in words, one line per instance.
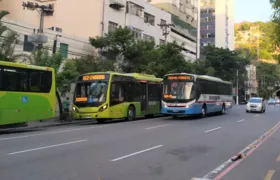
column 55, row 43
column 164, row 27
column 39, row 38
column 237, row 91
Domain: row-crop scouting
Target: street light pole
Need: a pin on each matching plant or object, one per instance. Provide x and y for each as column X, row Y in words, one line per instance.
column 237, row 91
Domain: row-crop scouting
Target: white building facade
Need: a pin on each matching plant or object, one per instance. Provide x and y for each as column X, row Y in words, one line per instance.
column 69, row 46
column 217, row 23
column 186, row 19
column 140, row 16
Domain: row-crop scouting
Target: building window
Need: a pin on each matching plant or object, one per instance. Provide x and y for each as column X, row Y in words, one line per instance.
column 27, row 46
column 161, row 41
column 162, row 21
column 134, row 9
column 137, row 33
column 64, row 50
column 148, row 18
column 148, row 38
column 210, row 35
column 112, row 26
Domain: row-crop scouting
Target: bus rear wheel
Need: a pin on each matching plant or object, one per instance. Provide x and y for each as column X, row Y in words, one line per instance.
column 130, row 113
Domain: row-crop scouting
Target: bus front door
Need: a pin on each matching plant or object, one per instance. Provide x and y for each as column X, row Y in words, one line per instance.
column 143, row 96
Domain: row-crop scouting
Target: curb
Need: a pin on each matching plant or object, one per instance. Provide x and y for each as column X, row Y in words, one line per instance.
column 46, row 125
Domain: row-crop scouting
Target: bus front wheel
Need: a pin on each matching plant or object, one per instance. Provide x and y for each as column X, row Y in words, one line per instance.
column 130, row 113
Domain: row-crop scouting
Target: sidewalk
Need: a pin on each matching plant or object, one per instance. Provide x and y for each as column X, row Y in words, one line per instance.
column 46, row 123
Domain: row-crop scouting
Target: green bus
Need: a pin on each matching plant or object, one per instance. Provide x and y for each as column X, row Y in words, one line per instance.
column 110, row 95
column 27, row 93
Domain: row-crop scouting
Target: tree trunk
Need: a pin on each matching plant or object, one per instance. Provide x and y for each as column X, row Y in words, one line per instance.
column 59, row 104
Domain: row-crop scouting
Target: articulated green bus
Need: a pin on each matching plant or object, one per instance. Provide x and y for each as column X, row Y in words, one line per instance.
column 110, row 95
column 27, row 93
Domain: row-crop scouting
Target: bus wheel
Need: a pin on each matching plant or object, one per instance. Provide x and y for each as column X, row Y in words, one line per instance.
column 203, row 111
column 100, row 121
column 130, row 113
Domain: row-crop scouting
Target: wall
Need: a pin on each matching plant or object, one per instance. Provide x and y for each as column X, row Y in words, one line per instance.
column 220, row 23
column 231, row 24
column 76, row 46
column 79, row 18
column 126, row 19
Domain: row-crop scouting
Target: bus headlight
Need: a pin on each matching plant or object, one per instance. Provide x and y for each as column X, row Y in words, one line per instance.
column 103, row 108
column 75, row 109
column 164, row 104
column 187, row 106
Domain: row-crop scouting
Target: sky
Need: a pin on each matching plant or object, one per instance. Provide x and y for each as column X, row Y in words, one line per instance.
column 252, row 10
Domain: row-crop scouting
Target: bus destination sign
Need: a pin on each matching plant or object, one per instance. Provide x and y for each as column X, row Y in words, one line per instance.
column 179, row 77
column 93, row 77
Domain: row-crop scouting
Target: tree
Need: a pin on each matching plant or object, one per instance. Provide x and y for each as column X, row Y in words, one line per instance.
column 224, row 63
column 8, row 40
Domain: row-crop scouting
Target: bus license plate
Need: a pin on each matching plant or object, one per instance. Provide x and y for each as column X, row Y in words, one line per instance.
column 87, row 117
column 175, row 111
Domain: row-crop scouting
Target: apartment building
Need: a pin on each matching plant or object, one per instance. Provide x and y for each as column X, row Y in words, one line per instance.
column 92, row 18
column 186, row 20
column 217, row 23
column 140, row 16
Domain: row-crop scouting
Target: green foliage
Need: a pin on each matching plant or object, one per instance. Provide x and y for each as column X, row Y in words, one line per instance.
column 223, row 63
column 43, row 58
column 8, row 40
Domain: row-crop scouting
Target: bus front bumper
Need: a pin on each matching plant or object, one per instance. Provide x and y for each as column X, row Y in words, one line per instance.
column 194, row 109
column 92, row 115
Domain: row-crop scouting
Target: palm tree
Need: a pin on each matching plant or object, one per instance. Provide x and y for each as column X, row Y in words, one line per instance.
column 8, row 40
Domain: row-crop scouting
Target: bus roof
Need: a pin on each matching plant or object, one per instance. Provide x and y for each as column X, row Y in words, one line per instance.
column 137, row 76
column 11, row 64
column 210, row 78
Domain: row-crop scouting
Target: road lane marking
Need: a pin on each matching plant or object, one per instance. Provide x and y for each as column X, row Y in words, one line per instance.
column 138, row 152
column 53, row 132
column 240, row 120
column 278, row 159
column 212, row 130
column 46, row 147
column 257, row 115
column 269, row 175
column 154, row 127
column 228, row 165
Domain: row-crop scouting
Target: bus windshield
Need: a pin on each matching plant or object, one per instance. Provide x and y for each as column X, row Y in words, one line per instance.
column 91, row 93
column 178, row 90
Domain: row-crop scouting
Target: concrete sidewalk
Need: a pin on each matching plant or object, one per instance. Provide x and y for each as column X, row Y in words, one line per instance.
column 46, row 123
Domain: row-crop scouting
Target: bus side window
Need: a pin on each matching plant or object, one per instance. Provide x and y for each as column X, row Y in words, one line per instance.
column 117, row 94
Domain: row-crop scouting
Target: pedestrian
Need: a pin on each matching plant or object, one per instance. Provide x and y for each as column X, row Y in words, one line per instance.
column 65, row 106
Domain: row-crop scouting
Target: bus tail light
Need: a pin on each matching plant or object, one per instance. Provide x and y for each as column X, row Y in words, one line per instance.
column 103, row 108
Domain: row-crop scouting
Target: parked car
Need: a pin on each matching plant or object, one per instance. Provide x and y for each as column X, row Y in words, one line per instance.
column 256, row 104
column 271, row 101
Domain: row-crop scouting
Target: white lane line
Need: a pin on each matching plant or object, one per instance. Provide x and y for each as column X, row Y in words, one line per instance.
column 138, row 152
column 154, row 127
column 257, row 115
column 46, row 147
column 53, row 132
column 212, row 130
column 240, row 120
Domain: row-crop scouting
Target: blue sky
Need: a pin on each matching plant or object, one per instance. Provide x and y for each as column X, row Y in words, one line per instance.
column 252, row 10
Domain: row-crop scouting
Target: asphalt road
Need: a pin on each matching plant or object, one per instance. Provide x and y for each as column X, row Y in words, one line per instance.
column 151, row 149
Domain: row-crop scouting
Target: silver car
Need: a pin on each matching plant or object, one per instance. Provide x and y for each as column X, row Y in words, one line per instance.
column 255, row 105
